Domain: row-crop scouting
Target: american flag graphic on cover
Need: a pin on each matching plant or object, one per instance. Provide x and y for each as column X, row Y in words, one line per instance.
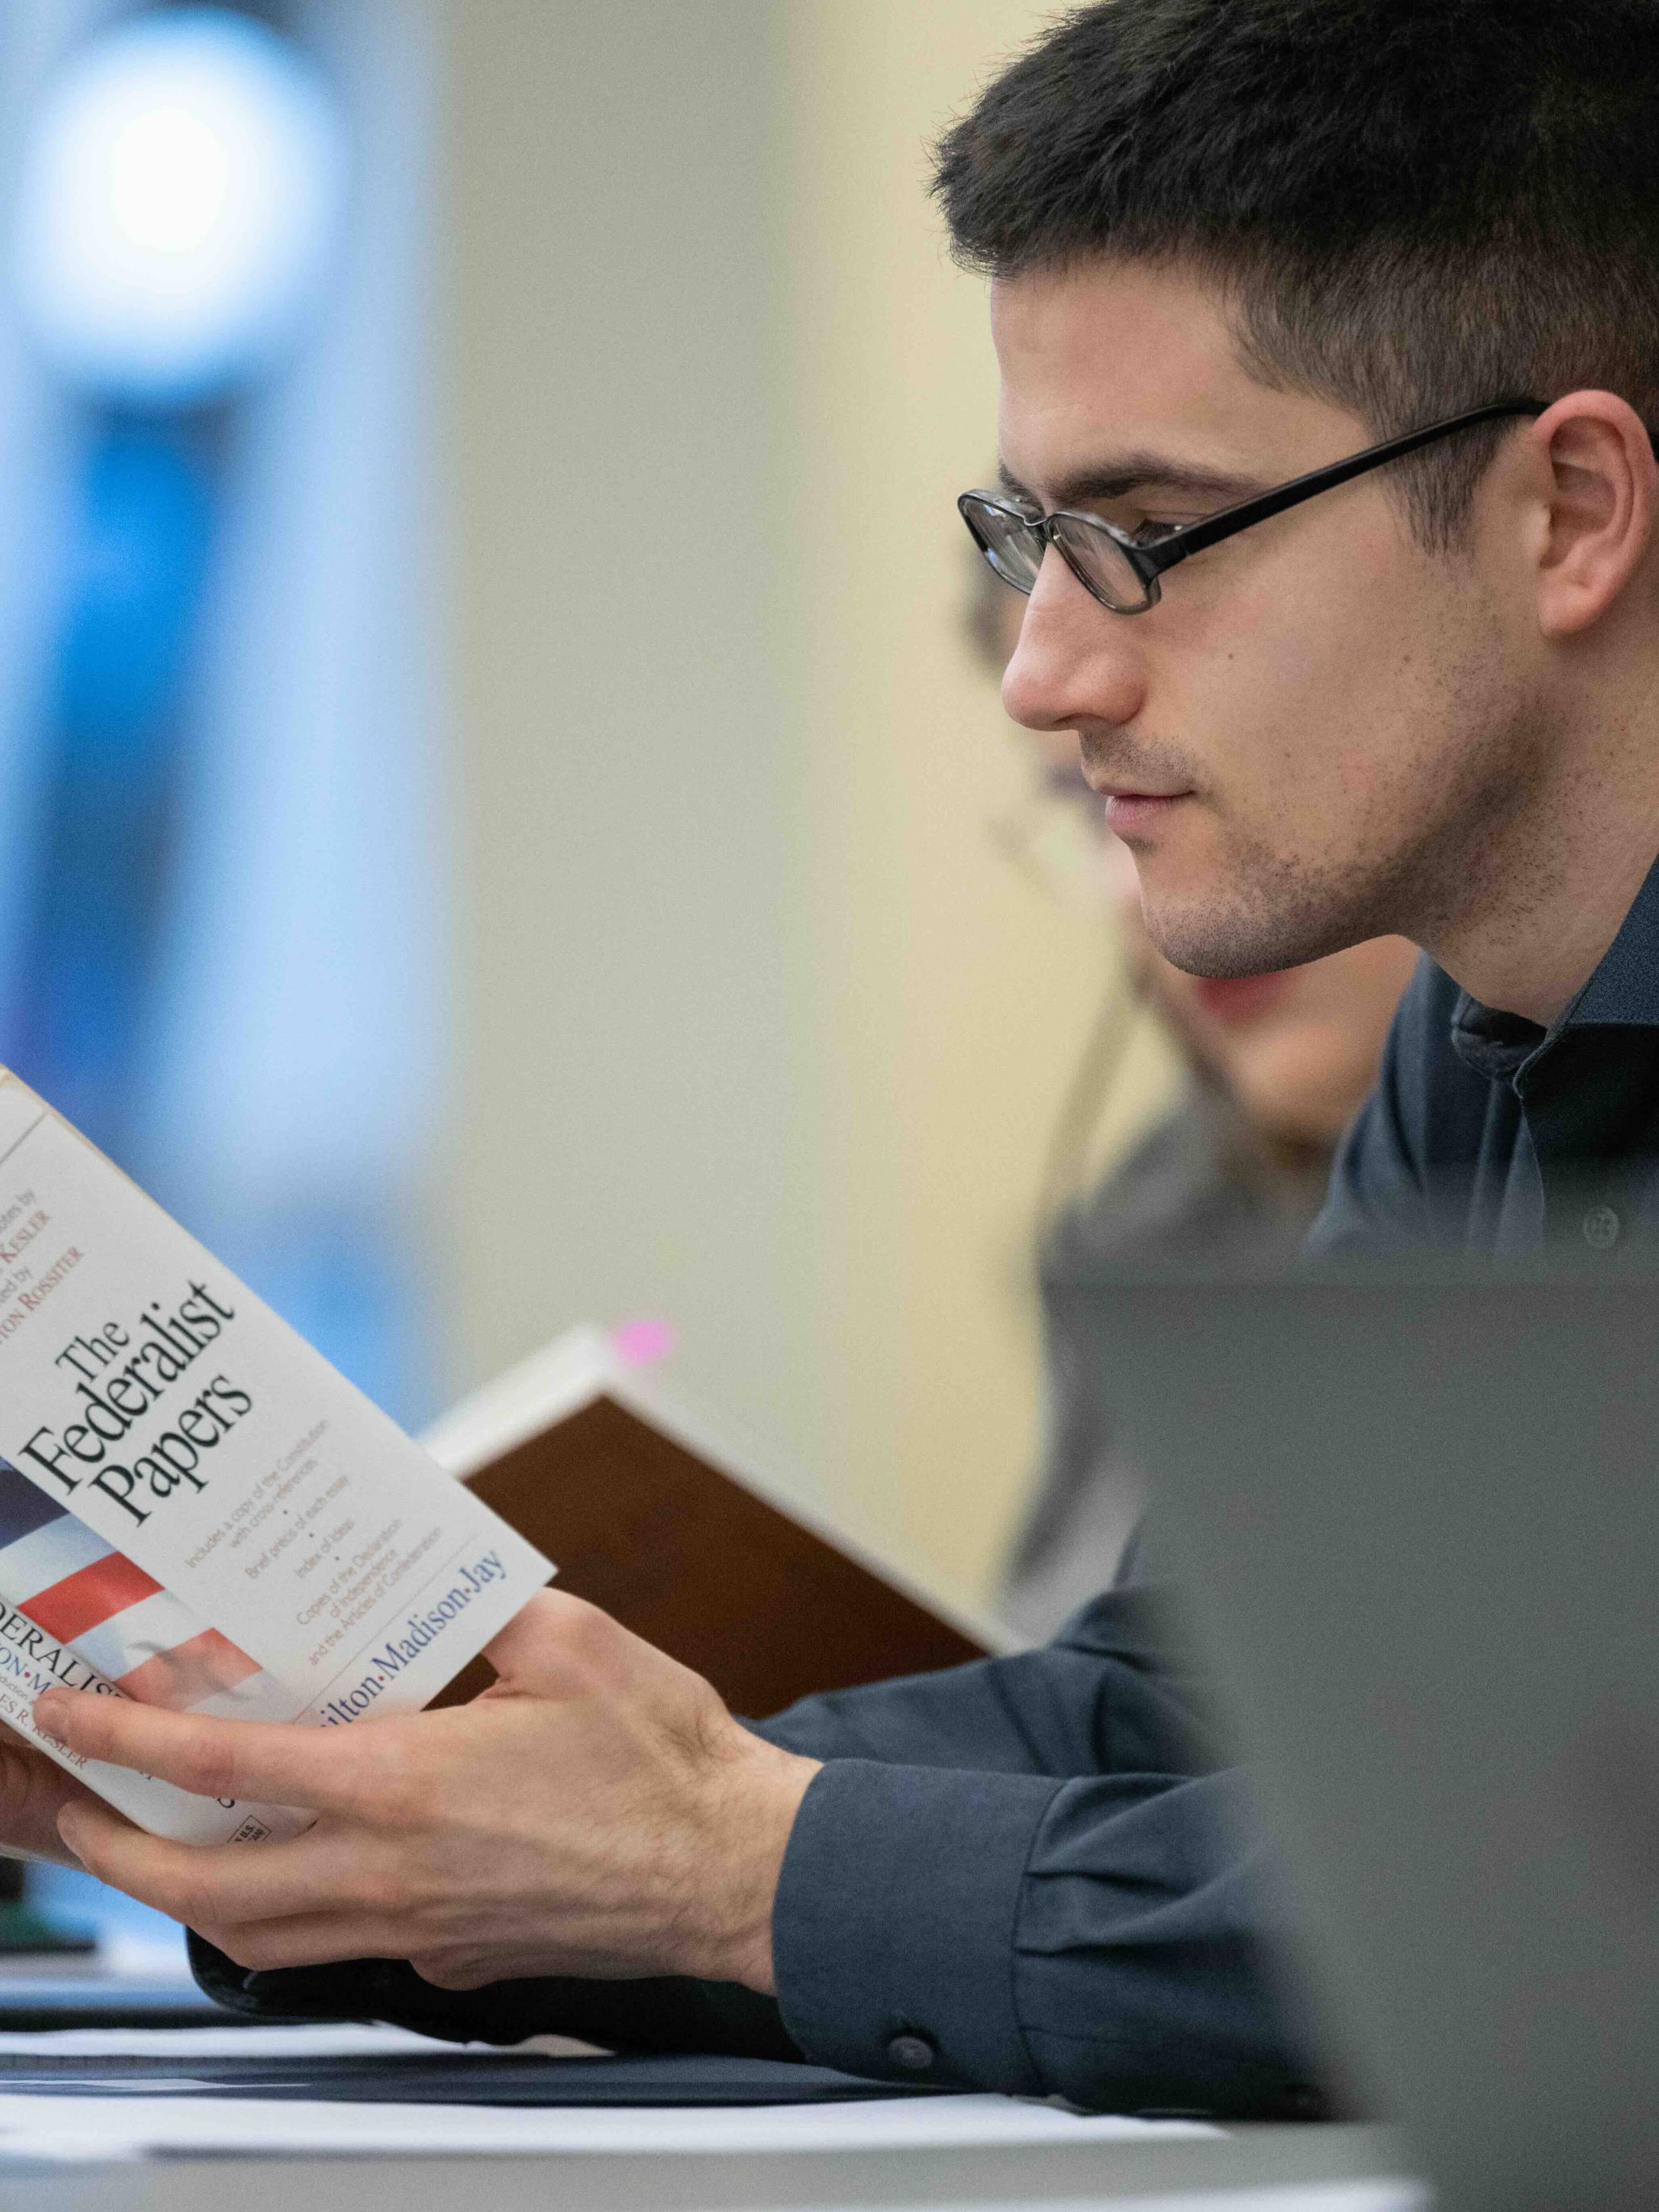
column 82, row 1592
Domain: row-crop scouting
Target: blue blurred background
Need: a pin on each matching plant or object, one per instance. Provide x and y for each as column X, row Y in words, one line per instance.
column 221, row 924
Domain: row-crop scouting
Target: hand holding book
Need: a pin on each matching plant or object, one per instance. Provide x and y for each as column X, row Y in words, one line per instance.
column 228, row 1584
column 597, row 1812
column 34, row 1791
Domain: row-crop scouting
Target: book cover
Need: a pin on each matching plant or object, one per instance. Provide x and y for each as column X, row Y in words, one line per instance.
column 682, row 1539
column 195, row 1510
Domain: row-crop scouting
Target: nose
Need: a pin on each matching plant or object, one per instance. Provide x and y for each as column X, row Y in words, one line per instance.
column 1076, row 662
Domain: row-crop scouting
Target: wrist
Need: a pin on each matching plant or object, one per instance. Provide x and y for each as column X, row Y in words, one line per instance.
column 759, row 1796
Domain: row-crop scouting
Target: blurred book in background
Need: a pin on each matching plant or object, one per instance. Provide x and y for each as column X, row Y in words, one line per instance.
column 583, row 1452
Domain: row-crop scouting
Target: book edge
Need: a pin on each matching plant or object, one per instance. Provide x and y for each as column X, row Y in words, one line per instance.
column 574, row 1369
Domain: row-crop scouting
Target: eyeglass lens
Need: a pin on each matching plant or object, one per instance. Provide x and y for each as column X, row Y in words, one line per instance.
column 1015, row 549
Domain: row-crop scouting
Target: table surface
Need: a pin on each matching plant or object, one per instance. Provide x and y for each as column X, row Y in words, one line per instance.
column 1304, row 2168
column 1307, row 2168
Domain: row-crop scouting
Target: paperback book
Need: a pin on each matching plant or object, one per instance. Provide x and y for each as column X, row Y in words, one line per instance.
column 197, row 1511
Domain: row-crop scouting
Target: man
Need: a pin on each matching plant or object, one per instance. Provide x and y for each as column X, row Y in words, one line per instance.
column 1232, row 241
column 1275, row 1067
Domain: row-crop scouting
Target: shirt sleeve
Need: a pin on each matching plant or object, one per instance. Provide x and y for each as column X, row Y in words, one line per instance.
column 1031, row 1875
column 1022, row 1875
column 1098, row 1940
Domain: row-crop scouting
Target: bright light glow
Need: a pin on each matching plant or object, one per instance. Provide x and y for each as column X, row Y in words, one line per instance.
column 180, row 196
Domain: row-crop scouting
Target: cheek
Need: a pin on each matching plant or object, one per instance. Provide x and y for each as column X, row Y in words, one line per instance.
column 1298, row 684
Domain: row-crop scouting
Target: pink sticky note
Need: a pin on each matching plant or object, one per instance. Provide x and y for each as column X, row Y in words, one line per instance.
column 643, row 1341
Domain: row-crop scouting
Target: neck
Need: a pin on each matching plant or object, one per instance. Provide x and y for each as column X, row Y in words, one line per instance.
column 1532, row 922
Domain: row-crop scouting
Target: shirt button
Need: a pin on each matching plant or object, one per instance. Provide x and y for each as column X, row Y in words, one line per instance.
column 1601, row 1228
column 915, row 2053
column 1305, row 2103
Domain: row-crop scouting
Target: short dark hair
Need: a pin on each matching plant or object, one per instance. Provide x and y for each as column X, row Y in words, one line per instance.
column 1410, row 207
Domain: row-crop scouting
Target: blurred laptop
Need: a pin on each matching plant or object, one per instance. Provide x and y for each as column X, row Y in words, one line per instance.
column 1417, row 1525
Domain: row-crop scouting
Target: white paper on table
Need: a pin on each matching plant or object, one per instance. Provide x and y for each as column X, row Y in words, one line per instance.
column 343, row 2040
column 1294, row 2197
column 100, row 2126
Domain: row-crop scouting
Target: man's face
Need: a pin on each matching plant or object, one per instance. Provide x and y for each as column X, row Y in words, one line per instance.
column 1307, row 742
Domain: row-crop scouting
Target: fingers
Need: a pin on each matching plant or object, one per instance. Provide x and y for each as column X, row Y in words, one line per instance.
column 221, row 1885
column 457, row 1972
column 316, row 1940
column 32, row 1793
column 12, row 1738
column 269, row 1762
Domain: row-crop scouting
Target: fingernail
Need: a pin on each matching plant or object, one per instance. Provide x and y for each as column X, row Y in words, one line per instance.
column 45, row 1720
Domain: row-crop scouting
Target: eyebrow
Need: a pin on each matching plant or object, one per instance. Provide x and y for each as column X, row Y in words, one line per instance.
column 1123, row 473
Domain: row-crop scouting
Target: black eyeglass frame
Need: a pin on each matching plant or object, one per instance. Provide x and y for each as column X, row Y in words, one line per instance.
column 1150, row 563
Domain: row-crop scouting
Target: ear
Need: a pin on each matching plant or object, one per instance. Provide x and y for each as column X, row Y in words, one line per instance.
column 1600, row 488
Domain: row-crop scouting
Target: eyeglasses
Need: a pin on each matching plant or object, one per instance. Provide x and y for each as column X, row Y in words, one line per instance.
column 1124, row 575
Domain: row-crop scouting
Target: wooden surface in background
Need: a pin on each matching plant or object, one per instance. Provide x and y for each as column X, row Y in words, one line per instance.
column 702, row 1567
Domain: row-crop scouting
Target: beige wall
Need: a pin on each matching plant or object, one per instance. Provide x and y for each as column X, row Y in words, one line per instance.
column 757, row 1026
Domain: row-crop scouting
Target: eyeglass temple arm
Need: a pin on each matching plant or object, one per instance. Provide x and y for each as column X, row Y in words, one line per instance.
column 1215, row 527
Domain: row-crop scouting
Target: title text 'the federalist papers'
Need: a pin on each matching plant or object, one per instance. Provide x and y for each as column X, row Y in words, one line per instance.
column 121, row 1373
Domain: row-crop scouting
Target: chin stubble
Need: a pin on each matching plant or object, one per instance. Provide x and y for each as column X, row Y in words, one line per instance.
column 1465, row 846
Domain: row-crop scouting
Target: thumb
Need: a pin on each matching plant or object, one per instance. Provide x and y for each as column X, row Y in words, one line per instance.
column 556, row 1642
column 560, row 1646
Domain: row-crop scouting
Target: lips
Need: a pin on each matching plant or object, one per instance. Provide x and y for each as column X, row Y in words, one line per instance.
column 1130, row 812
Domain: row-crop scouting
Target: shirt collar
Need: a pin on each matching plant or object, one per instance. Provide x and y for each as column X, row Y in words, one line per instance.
column 1625, row 989
column 1622, row 991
